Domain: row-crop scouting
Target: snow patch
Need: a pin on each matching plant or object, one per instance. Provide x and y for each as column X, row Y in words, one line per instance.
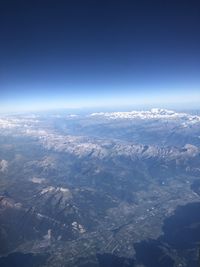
column 78, row 227
column 36, row 180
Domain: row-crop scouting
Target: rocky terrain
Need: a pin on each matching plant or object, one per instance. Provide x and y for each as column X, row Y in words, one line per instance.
column 100, row 189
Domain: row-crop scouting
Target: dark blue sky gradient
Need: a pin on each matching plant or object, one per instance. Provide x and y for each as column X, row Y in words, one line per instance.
column 80, row 52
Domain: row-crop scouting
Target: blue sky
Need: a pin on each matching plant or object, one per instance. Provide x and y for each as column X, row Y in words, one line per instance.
column 57, row 54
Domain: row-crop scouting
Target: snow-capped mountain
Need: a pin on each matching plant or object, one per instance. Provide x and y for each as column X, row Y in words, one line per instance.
column 154, row 113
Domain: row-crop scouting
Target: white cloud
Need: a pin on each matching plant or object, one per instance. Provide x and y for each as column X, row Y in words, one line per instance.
column 3, row 165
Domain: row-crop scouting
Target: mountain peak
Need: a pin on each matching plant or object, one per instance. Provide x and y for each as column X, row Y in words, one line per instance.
column 154, row 113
